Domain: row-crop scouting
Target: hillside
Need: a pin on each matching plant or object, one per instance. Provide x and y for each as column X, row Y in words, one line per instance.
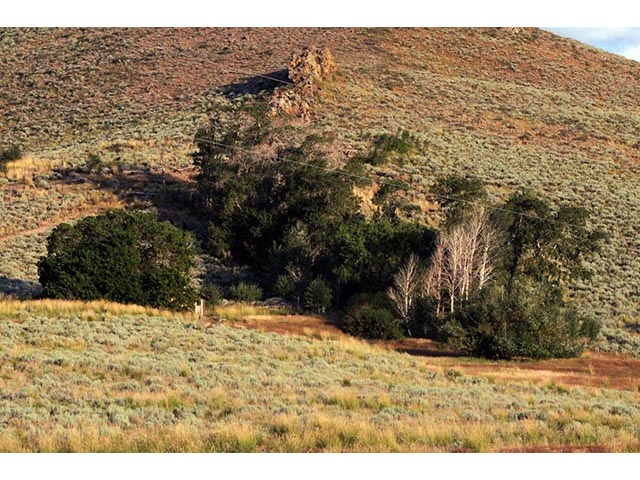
column 516, row 107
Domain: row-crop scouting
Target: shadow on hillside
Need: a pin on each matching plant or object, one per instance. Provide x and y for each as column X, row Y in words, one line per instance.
column 256, row 84
column 429, row 352
column 170, row 193
column 422, row 347
column 22, row 289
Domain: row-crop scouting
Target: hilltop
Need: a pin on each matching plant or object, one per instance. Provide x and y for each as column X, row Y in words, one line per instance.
column 520, row 108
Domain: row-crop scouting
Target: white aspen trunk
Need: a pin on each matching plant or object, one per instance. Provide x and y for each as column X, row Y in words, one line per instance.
column 405, row 287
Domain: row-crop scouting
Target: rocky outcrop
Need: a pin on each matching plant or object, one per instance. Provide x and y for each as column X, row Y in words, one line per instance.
column 307, row 71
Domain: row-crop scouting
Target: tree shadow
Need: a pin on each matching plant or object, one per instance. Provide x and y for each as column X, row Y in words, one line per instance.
column 422, row 347
column 21, row 289
column 256, row 84
column 170, row 193
column 429, row 352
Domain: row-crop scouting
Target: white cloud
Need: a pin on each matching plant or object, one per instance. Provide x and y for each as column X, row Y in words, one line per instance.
column 632, row 52
column 600, row 34
column 624, row 41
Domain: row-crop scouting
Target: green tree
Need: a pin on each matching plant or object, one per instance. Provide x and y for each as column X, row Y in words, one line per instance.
column 456, row 195
column 546, row 245
column 8, row 155
column 120, row 256
column 246, row 292
column 369, row 315
column 363, row 255
column 317, row 296
column 531, row 321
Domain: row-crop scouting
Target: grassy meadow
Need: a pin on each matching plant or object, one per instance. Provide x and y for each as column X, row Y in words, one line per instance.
column 104, row 377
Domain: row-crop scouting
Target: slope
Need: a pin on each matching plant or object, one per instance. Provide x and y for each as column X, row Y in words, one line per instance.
column 521, row 108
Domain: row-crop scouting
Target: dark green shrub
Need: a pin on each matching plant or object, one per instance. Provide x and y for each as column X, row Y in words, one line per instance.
column 424, row 322
column 212, row 294
column 122, row 257
column 285, row 286
column 246, row 292
column 93, row 162
column 8, row 155
column 372, row 323
column 532, row 321
column 317, row 296
column 376, row 299
column 386, row 146
column 455, row 194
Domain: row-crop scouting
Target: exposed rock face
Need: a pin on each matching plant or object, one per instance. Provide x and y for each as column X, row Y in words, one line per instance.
column 307, row 71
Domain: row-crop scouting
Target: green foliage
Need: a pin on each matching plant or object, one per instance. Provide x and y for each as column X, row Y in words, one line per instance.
column 246, row 292
column 388, row 146
column 366, row 321
column 547, row 245
column 456, row 196
column 119, row 256
column 317, row 295
column 253, row 203
column 93, row 162
column 221, row 157
column 212, row 294
column 291, row 217
column 424, row 323
column 369, row 315
column 530, row 321
column 363, row 255
column 8, row 155
column 539, row 252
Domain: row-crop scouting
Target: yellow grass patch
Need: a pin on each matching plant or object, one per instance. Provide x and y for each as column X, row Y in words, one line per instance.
column 239, row 311
column 86, row 310
column 25, row 168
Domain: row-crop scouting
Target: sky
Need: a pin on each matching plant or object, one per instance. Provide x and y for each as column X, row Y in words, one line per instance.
column 624, row 41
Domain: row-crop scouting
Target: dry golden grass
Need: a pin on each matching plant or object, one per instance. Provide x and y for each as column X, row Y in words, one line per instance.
column 86, row 310
column 24, row 169
column 239, row 311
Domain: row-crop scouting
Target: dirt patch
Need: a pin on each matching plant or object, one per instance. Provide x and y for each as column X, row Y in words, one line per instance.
column 592, row 369
column 560, row 449
column 291, row 325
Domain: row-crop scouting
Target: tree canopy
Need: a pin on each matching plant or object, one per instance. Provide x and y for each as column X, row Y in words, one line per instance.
column 120, row 256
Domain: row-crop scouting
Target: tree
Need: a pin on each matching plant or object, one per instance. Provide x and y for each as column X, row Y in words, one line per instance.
column 547, row 245
column 456, row 195
column 504, row 276
column 433, row 281
column 8, row 155
column 531, row 321
column 369, row 315
column 246, row 292
column 120, row 256
column 405, row 288
column 317, row 296
column 290, row 284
